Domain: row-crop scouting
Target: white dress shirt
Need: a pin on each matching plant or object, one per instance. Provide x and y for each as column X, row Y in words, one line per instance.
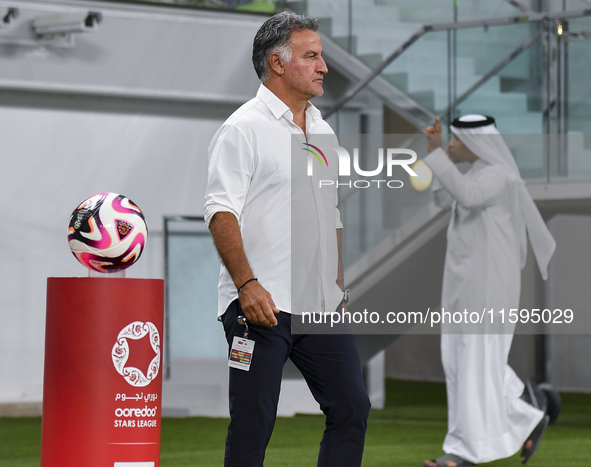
column 257, row 171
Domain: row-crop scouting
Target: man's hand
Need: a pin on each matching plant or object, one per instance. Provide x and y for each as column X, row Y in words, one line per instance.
column 450, row 153
column 255, row 301
column 433, row 135
column 257, row 305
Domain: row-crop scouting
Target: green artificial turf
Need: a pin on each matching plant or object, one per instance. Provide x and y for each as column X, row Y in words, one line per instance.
column 409, row 430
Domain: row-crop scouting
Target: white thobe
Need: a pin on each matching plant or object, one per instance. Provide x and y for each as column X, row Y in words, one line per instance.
column 487, row 420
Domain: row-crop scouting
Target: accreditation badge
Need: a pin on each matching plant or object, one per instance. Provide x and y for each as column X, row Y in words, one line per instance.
column 241, row 353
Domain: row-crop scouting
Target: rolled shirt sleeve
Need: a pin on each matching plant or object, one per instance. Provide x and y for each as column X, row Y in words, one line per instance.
column 231, row 165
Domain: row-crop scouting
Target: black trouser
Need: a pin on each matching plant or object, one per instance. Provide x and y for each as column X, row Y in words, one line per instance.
column 329, row 363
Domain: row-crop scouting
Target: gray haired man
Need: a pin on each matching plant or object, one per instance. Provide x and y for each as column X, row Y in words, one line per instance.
column 248, row 210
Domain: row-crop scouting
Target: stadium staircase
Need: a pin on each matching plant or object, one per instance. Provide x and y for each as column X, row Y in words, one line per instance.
column 372, row 29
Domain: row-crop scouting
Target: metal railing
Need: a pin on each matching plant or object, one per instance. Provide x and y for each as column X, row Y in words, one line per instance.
column 545, row 18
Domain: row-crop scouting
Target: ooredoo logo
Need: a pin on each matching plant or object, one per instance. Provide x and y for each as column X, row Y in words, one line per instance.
column 120, row 354
column 138, row 413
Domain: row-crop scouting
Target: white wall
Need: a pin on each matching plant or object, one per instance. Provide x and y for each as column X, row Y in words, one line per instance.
column 570, row 272
column 137, row 51
column 138, row 103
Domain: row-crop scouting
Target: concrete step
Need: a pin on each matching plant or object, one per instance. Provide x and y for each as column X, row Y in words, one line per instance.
column 325, row 26
column 21, row 409
column 425, row 98
column 194, row 399
column 371, row 60
column 400, row 80
column 348, row 43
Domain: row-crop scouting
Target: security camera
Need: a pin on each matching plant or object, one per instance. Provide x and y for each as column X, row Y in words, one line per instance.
column 7, row 16
column 66, row 23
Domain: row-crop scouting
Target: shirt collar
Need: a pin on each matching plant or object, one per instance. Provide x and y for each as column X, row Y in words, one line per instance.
column 278, row 108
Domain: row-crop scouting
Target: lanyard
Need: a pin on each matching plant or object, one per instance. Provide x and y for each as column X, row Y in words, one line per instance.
column 242, row 322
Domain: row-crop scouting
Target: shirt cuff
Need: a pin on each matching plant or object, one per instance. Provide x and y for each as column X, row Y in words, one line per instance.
column 438, row 162
column 337, row 219
column 211, row 209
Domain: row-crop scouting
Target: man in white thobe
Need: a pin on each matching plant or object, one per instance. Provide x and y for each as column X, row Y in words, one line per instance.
column 486, row 249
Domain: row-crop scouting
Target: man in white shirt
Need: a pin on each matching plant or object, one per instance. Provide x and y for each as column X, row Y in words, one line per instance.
column 486, row 249
column 248, row 207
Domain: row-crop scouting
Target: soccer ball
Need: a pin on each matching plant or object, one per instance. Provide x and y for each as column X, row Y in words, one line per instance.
column 107, row 232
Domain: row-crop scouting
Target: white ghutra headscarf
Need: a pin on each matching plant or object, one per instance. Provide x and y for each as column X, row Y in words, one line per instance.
column 481, row 136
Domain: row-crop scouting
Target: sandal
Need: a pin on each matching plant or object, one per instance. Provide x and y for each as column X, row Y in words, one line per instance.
column 535, row 437
column 442, row 461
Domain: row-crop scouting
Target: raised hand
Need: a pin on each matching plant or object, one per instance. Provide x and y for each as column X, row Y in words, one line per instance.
column 433, row 134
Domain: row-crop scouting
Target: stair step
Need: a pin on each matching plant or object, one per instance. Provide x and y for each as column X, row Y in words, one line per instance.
column 425, row 98
column 325, row 26
column 349, row 43
column 195, row 399
column 371, row 60
column 400, row 80
column 298, row 6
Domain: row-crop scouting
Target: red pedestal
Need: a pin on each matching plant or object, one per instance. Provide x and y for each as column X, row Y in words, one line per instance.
column 103, row 373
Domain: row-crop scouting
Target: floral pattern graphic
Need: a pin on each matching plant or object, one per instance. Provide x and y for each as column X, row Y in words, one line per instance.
column 120, row 353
